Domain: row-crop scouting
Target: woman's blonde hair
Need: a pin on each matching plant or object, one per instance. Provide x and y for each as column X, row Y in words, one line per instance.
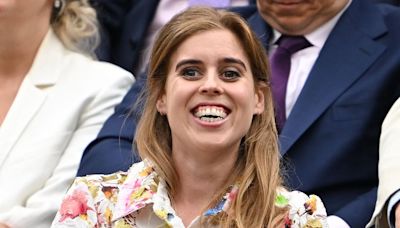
column 257, row 167
column 77, row 27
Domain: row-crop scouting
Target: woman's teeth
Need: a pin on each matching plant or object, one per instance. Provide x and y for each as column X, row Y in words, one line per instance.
column 210, row 114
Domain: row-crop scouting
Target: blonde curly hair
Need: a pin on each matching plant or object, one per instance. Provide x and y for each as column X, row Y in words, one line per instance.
column 77, row 27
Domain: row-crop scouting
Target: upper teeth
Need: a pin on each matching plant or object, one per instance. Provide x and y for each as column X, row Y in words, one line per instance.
column 211, row 112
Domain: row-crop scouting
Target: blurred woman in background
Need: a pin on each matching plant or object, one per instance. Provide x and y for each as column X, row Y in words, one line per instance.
column 54, row 99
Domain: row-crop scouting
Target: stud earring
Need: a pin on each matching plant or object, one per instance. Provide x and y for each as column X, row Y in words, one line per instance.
column 58, row 8
column 57, row 4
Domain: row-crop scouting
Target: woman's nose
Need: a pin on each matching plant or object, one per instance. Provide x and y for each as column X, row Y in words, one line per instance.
column 212, row 85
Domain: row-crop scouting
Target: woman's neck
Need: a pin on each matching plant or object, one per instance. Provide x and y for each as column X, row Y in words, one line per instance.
column 200, row 180
column 19, row 43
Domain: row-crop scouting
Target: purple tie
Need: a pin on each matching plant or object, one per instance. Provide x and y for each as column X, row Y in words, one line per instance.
column 280, row 67
column 211, row 3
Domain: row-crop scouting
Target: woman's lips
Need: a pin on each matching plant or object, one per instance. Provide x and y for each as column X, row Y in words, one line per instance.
column 210, row 113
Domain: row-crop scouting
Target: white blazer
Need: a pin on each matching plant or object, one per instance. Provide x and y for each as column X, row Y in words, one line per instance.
column 389, row 164
column 60, row 107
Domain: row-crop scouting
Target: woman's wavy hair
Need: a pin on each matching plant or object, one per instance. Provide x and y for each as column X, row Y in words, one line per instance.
column 257, row 168
column 77, row 27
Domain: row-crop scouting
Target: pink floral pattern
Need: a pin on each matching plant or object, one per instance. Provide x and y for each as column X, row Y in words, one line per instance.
column 138, row 198
column 74, row 205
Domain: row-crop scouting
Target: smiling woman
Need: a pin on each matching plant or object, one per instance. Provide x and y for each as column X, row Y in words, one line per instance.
column 210, row 96
column 207, row 137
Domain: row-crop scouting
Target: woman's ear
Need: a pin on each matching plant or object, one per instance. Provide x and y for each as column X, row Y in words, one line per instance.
column 161, row 105
column 259, row 100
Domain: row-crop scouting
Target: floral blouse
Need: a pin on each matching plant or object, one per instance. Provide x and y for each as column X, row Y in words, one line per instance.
column 139, row 198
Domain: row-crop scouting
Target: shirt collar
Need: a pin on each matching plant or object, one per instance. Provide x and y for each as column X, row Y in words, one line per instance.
column 143, row 187
column 137, row 190
column 318, row 37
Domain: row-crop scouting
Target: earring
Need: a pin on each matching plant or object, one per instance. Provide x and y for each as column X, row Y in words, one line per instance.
column 58, row 8
column 57, row 4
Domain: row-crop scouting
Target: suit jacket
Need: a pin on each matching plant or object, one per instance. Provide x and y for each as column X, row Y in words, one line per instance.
column 60, row 107
column 389, row 167
column 124, row 25
column 330, row 140
column 393, row 2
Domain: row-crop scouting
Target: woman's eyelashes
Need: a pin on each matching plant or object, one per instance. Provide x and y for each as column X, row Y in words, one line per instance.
column 226, row 74
column 190, row 73
column 230, row 74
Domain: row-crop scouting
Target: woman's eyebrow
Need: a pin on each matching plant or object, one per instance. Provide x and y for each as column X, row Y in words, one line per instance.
column 234, row 60
column 187, row 61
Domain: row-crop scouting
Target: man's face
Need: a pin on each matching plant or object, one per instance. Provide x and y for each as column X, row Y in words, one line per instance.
column 298, row 17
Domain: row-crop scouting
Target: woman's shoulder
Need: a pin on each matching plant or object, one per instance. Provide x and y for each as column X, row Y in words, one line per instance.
column 85, row 199
column 113, row 179
column 93, row 68
column 72, row 64
column 93, row 199
column 102, row 179
column 303, row 210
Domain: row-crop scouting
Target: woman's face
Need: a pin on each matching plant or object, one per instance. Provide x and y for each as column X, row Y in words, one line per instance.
column 210, row 96
column 25, row 9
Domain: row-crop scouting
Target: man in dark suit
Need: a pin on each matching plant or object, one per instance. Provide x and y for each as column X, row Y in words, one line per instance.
column 331, row 135
column 330, row 138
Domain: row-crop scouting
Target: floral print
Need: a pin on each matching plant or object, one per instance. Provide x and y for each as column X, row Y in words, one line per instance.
column 304, row 211
column 139, row 198
column 74, row 205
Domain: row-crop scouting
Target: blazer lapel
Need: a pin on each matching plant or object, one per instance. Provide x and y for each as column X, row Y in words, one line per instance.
column 25, row 105
column 346, row 55
column 32, row 93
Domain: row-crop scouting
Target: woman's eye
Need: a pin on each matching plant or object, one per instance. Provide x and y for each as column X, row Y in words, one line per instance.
column 190, row 72
column 231, row 75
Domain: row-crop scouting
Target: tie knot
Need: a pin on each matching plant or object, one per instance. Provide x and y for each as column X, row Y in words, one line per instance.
column 293, row 43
